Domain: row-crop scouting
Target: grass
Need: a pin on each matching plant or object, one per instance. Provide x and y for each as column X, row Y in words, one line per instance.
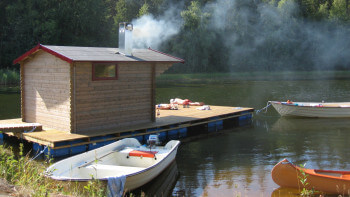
column 303, row 178
column 29, row 180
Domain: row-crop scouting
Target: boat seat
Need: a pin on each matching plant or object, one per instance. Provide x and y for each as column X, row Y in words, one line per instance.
column 115, row 167
column 329, row 173
column 141, row 153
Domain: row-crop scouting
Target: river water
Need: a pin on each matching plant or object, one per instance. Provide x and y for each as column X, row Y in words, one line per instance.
column 238, row 161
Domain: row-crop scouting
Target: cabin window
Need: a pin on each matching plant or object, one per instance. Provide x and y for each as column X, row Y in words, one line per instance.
column 104, row 71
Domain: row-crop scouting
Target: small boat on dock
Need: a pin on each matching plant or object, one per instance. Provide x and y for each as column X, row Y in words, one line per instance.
column 285, row 174
column 126, row 157
column 312, row 109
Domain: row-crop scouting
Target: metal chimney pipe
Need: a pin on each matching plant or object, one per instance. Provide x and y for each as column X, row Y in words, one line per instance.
column 125, row 38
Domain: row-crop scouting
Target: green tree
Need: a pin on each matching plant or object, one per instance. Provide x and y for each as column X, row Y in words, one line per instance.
column 288, row 8
column 64, row 22
column 196, row 37
column 323, row 11
column 144, row 10
column 309, row 8
column 194, row 17
column 339, row 11
column 126, row 10
column 199, row 43
column 6, row 52
column 35, row 23
column 121, row 11
column 83, row 22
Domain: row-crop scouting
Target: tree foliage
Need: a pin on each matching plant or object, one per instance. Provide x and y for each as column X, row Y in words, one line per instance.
column 214, row 36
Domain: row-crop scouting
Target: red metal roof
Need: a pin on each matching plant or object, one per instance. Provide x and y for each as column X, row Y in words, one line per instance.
column 100, row 54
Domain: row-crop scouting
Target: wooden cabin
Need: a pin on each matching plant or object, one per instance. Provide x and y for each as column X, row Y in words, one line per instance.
column 89, row 89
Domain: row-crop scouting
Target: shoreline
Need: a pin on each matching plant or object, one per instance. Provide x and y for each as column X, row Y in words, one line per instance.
column 251, row 76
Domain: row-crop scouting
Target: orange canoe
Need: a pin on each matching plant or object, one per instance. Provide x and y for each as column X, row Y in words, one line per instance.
column 285, row 174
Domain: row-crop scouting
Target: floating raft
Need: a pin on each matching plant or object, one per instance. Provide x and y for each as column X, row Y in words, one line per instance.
column 169, row 124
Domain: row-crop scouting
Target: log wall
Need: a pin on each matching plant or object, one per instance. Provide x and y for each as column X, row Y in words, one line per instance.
column 110, row 104
column 46, row 91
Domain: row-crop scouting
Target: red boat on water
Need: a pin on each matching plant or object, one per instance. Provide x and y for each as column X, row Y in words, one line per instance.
column 285, row 174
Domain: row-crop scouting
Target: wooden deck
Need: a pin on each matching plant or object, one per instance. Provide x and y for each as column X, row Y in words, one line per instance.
column 168, row 119
column 17, row 126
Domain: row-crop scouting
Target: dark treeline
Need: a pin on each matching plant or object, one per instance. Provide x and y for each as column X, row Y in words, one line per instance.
column 211, row 35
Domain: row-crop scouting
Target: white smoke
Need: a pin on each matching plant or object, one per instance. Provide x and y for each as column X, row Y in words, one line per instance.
column 151, row 32
column 254, row 35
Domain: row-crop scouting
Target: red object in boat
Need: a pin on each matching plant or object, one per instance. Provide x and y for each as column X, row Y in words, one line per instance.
column 139, row 153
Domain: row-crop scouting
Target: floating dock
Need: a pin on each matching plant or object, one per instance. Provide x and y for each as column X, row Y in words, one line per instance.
column 169, row 124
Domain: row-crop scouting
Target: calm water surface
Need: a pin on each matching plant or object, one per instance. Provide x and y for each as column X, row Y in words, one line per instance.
column 238, row 161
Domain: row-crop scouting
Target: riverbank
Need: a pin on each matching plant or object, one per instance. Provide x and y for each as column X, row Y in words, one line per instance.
column 251, row 76
column 10, row 79
column 10, row 89
column 22, row 176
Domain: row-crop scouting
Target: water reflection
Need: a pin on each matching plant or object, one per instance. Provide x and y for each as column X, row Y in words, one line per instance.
column 162, row 185
column 311, row 124
column 238, row 162
column 286, row 192
column 10, row 105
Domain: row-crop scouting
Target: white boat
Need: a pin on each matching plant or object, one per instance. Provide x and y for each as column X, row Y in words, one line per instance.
column 312, row 109
column 126, row 157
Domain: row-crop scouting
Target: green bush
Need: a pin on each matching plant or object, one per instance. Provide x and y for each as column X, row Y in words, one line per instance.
column 9, row 77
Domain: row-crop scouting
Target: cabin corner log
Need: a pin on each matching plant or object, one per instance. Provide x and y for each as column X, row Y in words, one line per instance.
column 22, row 92
column 72, row 98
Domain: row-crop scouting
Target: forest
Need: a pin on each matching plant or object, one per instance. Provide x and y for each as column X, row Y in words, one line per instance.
column 211, row 35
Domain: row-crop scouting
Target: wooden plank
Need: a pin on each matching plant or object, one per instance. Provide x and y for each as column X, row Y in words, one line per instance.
column 113, row 102
column 42, row 99
column 184, row 117
column 178, row 116
column 109, row 125
column 118, row 96
column 140, row 134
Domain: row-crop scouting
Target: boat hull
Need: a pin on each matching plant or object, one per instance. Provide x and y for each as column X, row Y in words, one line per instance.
column 285, row 174
column 316, row 110
column 137, row 180
column 123, row 158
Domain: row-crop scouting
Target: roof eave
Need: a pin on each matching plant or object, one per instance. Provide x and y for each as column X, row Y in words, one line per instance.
column 125, row 61
column 41, row 47
column 180, row 60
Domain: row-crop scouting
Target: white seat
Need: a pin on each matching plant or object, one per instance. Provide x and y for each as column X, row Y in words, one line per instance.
column 127, row 169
